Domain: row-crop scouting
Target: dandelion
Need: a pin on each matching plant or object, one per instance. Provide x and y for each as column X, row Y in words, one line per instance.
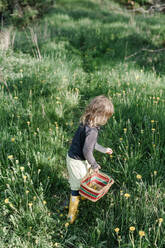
column 36, row 241
column 21, row 70
column 16, row 97
column 6, row 200
column 160, row 220
column 56, row 244
column 111, row 156
column 17, row 161
column 10, row 157
column 153, row 129
column 30, row 204
column 131, row 235
column 152, row 121
column 66, row 224
column 125, row 130
column 34, row 198
column 28, row 123
column 61, row 215
column 155, row 173
column 132, row 228
column 22, row 168
column 138, row 176
column 121, row 139
column 141, row 233
column 27, row 192
column 12, row 139
column 116, row 230
column 24, row 177
column 44, row 202
column 127, row 195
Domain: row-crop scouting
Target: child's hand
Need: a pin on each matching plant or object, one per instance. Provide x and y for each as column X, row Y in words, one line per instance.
column 109, row 151
column 97, row 169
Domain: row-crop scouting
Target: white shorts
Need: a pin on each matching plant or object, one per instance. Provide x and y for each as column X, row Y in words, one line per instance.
column 77, row 169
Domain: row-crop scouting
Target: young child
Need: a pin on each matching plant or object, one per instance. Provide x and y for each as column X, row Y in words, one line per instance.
column 80, row 156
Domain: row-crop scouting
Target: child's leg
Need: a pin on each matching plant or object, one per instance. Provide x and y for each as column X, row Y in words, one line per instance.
column 77, row 170
column 75, row 192
column 73, row 206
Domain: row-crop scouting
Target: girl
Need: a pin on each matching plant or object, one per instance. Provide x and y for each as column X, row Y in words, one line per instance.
column 80, row 156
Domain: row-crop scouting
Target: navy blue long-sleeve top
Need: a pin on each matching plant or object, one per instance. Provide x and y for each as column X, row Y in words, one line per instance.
column 83, row 144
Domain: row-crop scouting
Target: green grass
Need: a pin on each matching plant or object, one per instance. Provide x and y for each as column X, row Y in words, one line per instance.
column 86, row 50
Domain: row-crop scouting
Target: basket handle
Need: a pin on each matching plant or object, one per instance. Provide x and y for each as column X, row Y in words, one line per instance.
column 91, row 172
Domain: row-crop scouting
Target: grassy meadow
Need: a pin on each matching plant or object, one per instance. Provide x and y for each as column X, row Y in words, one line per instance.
column 48, row 73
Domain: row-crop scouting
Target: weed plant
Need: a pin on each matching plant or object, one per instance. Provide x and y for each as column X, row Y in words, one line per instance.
column 86, row 49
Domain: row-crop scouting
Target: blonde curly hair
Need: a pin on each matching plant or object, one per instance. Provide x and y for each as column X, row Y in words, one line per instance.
column 98, row 111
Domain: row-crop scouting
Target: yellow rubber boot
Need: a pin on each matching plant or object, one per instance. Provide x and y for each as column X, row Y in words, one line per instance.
column 73, row 206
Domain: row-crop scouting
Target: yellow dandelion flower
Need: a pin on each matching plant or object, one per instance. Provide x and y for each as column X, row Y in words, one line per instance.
column 12, row 139
column 24, row 177
column 66, row 224
column 27, row 191
column 22, row 168
column 6, row 200
column 36, row 241
column 30, row 204
column 153, row 129
column 121, row 139
column 16, row 97
column 61, row 215
column 127, row 195
column 155, row 173
column 152, row 121
column 34, row 198
column 160, row 220
column 28, row 123
column 10, row 157
column 132, row 228
column 116, row 230
column 125, row 130
column 44, row 202
column 56, row 244
column 138, row 176
column 141, row 233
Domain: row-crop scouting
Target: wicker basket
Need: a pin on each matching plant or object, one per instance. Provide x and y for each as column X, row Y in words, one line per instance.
column 95, row 185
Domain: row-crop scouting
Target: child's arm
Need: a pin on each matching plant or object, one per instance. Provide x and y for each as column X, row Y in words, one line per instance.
column 89, row 145
column 103, row 149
